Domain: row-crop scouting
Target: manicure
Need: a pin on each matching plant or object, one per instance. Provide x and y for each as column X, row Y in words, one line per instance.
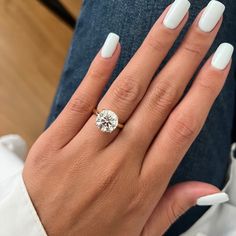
column 213, row 199
column 222, row 56
column 211, row 15
column 110, row 45
column 176, row 13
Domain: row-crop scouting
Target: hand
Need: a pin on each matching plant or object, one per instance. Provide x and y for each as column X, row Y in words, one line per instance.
column 86, row 182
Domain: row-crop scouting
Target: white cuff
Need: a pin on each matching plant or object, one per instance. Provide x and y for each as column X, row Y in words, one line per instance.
column 17, row 213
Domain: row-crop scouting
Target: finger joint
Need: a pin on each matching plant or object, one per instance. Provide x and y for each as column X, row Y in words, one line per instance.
column 163, row 97
column 184, row 128
column 127, row 91
column 80, row 104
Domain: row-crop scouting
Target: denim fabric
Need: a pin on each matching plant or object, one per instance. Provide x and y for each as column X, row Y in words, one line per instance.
column 208, row 158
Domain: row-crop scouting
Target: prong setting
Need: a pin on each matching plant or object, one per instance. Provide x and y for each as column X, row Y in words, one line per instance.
column 107, row 121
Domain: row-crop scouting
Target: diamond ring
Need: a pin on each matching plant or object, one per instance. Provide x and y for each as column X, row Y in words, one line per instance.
column 107, row 121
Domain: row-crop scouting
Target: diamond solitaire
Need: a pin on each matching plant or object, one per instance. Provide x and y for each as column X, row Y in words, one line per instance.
column 107, row 121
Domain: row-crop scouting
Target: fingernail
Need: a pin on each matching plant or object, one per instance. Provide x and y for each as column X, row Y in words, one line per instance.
column 211, row 15
column 222, row 56
column 110, row 45
column 213, row 199
column 176, row 13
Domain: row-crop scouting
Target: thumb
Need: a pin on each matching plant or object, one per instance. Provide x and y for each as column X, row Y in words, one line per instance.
column 177, row 200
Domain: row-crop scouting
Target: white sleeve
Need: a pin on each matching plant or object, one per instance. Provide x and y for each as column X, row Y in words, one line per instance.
column 17, row 213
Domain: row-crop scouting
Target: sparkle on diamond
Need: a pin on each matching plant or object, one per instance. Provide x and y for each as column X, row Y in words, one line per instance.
column 107, row 121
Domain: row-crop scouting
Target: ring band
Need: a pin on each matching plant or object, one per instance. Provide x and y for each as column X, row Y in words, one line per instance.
column 107, row 121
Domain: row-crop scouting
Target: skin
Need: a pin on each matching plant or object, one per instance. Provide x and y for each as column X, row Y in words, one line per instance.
column 85, row 182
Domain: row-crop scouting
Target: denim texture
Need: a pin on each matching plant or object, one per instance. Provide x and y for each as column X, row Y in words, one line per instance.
column 208, row 158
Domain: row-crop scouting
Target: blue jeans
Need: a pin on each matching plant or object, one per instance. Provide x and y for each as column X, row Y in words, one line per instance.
column 208, row 158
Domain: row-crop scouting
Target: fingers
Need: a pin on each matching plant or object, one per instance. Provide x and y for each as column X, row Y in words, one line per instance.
column 130, row 86
column 176, row 201
column 187, row 119
column 168, row 87
column 82, row 103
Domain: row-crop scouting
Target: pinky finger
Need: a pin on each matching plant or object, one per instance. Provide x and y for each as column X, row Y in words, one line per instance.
column 81, row 105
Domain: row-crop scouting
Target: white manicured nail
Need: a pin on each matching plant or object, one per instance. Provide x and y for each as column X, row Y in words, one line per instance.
column 211, row 15
column 213, row 199
column 110, row 45
column 222, row 56
column 176, row 13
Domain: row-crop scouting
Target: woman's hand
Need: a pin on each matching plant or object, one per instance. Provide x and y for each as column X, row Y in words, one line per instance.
column 86, row 182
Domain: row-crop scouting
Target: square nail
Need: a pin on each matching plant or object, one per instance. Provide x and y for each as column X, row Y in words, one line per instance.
column 176, row 13
column 222, row 56
column 211, row 15
column 110, row 45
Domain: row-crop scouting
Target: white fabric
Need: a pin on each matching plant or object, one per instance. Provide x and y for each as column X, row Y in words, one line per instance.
column 18, row 216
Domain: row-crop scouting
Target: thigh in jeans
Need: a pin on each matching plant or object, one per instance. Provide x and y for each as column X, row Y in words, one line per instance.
column 207, row 159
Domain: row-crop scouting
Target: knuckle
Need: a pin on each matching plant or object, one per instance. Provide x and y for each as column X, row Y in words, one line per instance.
column 97, row 74
column 156, row 44
column 80, row 104
column 209, row 88
column 197, row 42
column 184, row 127
column 163, row 97
column 209, row 83
column 127, row 90
column 195, row 47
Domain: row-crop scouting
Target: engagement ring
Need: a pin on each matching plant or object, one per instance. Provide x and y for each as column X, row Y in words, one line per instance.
column 107, row 121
